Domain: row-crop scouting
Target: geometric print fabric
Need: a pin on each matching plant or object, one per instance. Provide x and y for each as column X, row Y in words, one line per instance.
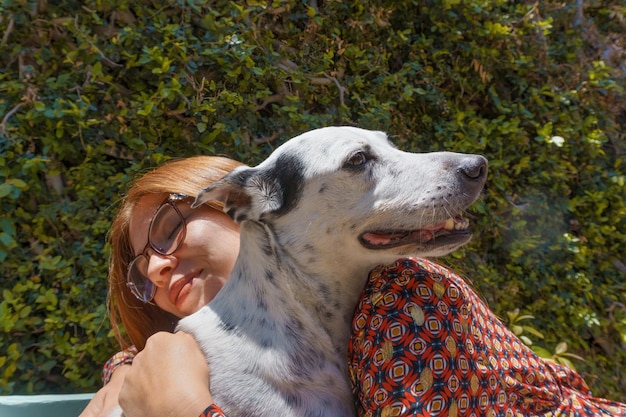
column 424, row 344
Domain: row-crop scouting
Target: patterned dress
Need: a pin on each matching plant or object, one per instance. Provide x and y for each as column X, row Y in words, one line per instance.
column 424, row 344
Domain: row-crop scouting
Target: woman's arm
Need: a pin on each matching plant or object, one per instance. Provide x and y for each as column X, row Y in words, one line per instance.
column 106, row 399
column 170, row 377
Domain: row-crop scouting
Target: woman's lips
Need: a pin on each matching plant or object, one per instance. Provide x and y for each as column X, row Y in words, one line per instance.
column 178, row 288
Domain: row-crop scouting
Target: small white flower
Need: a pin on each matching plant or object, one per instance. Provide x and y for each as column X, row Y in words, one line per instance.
column 557, row 140
column 233, row 40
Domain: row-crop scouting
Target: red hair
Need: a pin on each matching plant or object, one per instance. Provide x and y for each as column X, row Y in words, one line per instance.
column 133, row 321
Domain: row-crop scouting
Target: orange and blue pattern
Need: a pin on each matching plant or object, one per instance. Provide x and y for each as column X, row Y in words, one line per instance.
column 212, row 411
column 424, row 344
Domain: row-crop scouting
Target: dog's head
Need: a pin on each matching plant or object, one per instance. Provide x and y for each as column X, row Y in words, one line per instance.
column 340, row 188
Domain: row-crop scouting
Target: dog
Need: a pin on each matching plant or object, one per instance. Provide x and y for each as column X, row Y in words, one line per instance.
column 315, row 217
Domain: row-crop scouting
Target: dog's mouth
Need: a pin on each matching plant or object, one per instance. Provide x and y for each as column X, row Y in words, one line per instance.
column 445, row 232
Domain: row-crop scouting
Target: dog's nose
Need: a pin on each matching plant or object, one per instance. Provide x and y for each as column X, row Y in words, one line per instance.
column 473, row 168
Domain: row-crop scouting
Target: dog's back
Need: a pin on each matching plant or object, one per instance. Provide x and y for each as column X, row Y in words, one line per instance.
column 315, row 217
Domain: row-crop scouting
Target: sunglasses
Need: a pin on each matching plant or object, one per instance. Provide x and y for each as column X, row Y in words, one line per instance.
column 166, row 233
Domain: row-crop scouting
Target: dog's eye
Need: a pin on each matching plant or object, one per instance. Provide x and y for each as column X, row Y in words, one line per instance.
column 357, row 160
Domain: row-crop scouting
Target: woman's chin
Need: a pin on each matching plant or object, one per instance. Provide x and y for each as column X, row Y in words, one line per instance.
column 194, row 295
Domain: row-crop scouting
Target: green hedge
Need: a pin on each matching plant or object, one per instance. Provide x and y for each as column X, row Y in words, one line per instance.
column 95, row 92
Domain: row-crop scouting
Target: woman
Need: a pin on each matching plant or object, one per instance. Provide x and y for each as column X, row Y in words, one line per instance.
column 208, row 243
column 423, row 343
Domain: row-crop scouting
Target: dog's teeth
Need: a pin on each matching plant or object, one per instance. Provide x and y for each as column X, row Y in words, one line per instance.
column 461, row 225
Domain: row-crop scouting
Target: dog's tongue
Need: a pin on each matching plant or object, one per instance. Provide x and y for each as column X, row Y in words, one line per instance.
column 382, row 238
column 421, row 235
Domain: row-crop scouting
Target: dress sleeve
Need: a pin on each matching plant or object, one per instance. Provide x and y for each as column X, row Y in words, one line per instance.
column 424, row 343
column 125, row 357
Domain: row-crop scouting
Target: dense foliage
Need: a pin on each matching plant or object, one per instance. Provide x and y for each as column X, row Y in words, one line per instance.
column 95, row 92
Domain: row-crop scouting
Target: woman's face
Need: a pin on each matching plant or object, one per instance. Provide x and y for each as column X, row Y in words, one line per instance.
column 189, row 278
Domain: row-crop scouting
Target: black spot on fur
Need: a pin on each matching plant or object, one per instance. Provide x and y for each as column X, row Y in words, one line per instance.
column 267, row 249
column 261, row 304
column 227, row 327
column 239, row 218
column 288, row 172
column 393, row 171
column 295, row 327
column 293, row 400
column 265, row 342
column 265, row 337
column 324, row 291
column 270, row 326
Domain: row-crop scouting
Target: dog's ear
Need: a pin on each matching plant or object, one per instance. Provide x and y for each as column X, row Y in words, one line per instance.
column 246, row 193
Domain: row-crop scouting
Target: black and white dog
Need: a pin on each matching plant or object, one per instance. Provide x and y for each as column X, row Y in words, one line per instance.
column 316, row 217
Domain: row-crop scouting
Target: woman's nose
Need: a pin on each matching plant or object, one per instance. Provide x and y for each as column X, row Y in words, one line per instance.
column 160, row 268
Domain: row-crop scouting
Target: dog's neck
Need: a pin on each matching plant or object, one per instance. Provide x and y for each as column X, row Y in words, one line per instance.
column 268, row 276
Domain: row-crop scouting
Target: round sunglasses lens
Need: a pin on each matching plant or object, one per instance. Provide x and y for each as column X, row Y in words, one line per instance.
column 140, row 286
column 167, row 230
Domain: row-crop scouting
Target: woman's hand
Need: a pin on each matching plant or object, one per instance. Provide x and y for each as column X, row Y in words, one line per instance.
column 169, row 377
column 106, row 399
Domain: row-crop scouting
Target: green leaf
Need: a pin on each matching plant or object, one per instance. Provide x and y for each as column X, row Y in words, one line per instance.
column 24, row 312
column 561, row 348
column 526, row 340
column 541, row 352
column 5, row 189
column 533, row 331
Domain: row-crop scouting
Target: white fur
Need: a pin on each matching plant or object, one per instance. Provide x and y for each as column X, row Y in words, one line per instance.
column 277, row 344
